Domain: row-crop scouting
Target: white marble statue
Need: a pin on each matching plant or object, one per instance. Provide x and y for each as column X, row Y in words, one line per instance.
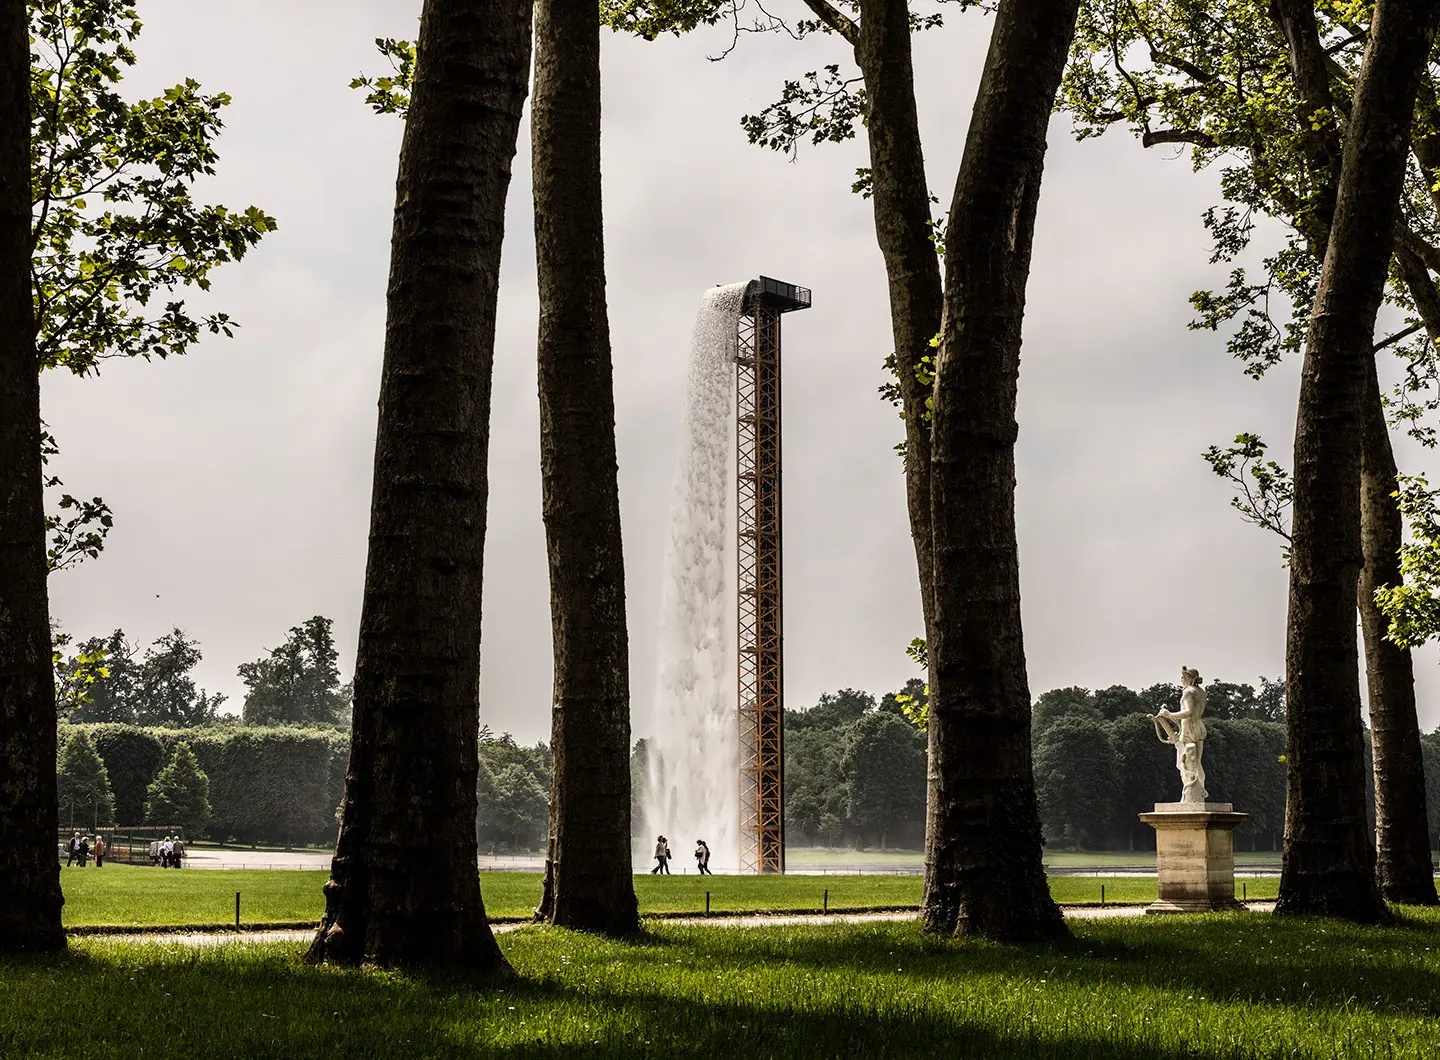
column 1188, row 736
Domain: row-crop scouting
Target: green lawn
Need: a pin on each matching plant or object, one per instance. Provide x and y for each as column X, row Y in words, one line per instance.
column 122, row 896
column 1231, row 986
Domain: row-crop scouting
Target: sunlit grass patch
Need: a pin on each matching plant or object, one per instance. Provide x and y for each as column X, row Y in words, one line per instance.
column 1237, row 985
column 122, row 896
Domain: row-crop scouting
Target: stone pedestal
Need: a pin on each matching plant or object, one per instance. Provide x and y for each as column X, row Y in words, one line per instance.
column 1194, row 856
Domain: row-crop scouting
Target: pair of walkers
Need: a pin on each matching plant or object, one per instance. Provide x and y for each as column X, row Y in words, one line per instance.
column 662, row 857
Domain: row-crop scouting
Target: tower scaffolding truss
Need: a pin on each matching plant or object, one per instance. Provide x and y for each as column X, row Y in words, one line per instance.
column 759, row 580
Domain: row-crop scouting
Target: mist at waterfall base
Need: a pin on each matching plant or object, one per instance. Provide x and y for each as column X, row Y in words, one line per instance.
column 692, row 789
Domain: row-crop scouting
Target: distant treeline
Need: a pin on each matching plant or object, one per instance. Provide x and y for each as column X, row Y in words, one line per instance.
column 278, row 784
column 271, row 784
column 855, row 766
column 1098, row 762
column 110, row 679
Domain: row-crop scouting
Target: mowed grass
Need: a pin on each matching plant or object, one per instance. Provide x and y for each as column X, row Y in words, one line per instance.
column 122, row 896
column 1224, row 986
column 1141, row 859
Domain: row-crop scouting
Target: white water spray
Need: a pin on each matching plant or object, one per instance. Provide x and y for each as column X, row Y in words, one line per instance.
column 693, row 790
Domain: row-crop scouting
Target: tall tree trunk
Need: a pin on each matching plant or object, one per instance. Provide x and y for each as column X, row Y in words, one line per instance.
column 1329, row 859
column 901, row 197
column 404, row 887
column 589, row 877
column 983, row 871
column 29, row 872
column 1403, row 868
column 1402, row 838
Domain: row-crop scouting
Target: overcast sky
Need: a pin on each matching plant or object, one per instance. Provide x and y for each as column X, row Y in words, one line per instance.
column 240, row 474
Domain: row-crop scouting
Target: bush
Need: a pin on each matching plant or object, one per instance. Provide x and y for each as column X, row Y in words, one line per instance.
column 180, row 795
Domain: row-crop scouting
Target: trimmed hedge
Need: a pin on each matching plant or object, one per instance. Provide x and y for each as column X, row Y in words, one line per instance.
column 267, row 784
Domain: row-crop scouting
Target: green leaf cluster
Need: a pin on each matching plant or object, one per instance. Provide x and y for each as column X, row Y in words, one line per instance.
column 390, row 93
column 116, row 229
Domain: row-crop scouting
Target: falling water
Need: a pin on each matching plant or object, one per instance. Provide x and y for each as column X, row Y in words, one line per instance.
column 693, row 783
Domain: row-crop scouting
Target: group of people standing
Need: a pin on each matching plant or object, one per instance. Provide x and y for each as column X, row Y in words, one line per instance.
column 79, row 849
column 662, row 857
column 167, row 852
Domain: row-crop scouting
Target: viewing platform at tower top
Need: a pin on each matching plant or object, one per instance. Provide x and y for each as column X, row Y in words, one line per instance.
column 777, row 295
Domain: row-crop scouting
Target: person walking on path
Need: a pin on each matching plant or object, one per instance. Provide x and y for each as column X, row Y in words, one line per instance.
column 166, row 846
column 72, row 850
column 702, row 857
column 100, row 849
column 662, row 856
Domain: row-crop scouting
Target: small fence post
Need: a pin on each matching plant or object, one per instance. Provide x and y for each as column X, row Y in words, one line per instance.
column 707, row 903
column 827, row 900
column 237, row 910
column 1102, row 896
column 1242, row 890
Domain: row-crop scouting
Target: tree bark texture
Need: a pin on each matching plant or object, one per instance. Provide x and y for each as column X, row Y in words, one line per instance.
column 1403, row 868
column 1402, row 835
column 1329, row 859
column 591, row 885
column 983, row 871
column 901, row 198
column 404, row 887
column 30, row 897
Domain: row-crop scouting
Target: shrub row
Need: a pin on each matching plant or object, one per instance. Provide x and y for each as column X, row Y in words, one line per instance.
column 267, row 784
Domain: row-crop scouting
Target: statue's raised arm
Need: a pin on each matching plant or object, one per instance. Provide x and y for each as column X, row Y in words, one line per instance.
column 1184, row 728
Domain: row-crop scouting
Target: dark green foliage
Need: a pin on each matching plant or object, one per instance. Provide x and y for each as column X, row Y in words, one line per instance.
column 1061, row 703
column 100, row 682
column 1145, row 775
column 83, row 784
column 814, row 784
column 270, row 785
column 883, row 765
column 132, row 756
column 512, row 801
column 834, row 709
column 1098, row 763
column 1430, row 749
column 639, row 779
column 180, row 796
column 855, row 771
column 1117, row 701
column 1075, row 770
column 106, row 680
column 299, row 682
column 167, row 693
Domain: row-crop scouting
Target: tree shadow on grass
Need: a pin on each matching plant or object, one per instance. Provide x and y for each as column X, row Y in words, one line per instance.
column 740, row 992
column 1319, row 964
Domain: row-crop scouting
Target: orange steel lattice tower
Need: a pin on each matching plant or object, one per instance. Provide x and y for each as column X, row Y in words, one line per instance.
column 759, row 581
